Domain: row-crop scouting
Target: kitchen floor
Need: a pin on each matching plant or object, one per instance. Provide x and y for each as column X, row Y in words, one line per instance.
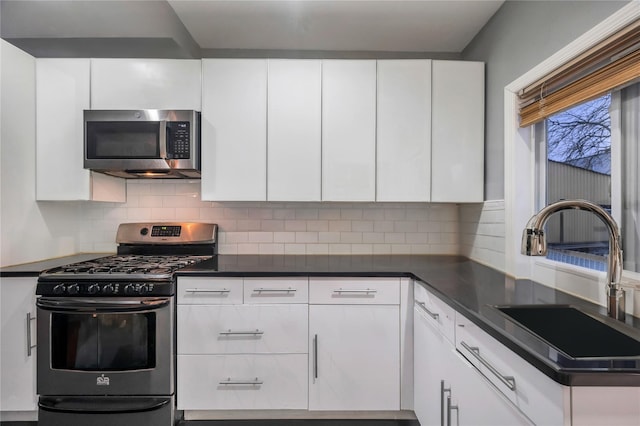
column 273, row 423
column 300, row 423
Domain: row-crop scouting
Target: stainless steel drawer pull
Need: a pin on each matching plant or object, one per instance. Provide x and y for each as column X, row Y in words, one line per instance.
column 451, row 408
column 423, row 306
column 358, row 291
column 509, row 381
column 207, row 290
column 250, row 382
column 443, row 390
column 275, row 290
column 230, row 332
column 29, row 345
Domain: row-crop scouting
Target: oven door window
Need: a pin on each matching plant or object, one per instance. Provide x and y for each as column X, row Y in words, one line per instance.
column 123, row 139
column 103, row 342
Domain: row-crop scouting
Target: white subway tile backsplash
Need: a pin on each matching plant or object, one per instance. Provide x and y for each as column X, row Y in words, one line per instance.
column 306, row 237
column 295, row 225
column 318, row 225
column 340, row 225
column 294, row 249
column 302, row 228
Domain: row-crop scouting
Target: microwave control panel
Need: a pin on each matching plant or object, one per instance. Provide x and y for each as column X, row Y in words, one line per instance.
column 178, row 140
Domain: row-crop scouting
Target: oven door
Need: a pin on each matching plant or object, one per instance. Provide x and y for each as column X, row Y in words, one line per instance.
column 105, row 346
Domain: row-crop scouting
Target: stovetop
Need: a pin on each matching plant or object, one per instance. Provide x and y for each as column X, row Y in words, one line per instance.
column 129, row 267
column 148, row 255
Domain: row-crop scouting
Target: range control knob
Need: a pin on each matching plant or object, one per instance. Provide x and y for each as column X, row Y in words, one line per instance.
column 129, row 289
column 93, row 288
column 72, row 288
column 143, row 289
column 108, row 289
column 144, row 231
column 59, row 289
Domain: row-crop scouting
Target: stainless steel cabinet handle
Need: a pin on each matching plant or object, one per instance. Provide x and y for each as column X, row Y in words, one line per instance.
column 206, row 290
column 29, row 345
column 251, row 382
column 423, row 306
column 275, row 290
column 451, row 408
column 443, row 390
column 360, row 291
column 509, row 381
column 230, row 332
column 315, row 357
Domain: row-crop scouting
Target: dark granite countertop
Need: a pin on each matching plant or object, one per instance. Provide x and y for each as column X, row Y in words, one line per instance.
column 33, row 269
column 470, row 288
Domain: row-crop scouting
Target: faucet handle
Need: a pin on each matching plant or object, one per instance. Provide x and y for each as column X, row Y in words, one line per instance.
column 534, row 242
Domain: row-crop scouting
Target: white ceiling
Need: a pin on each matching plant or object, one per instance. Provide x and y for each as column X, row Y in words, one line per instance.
column 352, row 25
column 196, row 28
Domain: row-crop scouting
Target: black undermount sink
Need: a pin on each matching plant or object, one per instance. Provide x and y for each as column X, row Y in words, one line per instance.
column 573, row 332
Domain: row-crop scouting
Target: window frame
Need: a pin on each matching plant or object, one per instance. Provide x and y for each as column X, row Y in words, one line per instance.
column 521, row 173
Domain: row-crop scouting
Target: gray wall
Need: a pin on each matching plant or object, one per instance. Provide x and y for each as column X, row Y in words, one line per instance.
column 518, row 37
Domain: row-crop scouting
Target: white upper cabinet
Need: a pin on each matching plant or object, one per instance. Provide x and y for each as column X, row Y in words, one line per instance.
column 146, row 84
column 234, row 129
column 404, row 130
column 457, row 142
column 62, row 93
column 348, row 130
column 294, row 130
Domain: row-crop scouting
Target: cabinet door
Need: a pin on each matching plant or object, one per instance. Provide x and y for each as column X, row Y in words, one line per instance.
column 146, row 84
column 234, row 129
column 348, row 130
column 457, row 138
column 478, row 402
column 404, row 130
column 294, row 111
column 354, row 357
column 62, row 93
column 18, row 362
column 432, row 371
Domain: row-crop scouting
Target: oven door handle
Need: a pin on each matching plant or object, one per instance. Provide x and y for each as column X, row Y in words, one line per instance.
column 101, row 405
column 88, row 305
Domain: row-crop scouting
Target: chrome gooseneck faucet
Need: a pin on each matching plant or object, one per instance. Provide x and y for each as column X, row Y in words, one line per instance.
column 534, row 243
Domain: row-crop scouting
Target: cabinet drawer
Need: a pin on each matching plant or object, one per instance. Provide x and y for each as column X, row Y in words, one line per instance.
column 242, row 329
column 209, row 291
column 276, row 290
column 435, row 311
column 242, row 382
column 536, row 395
column 354, row 291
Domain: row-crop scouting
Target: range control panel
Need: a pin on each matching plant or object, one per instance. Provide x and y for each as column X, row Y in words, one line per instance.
column 165, row 231
column 105, row 288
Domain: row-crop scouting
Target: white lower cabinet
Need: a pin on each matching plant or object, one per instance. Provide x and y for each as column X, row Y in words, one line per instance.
column 242, row 344
column 354, row 360
column 454, row 389
column 18, row 400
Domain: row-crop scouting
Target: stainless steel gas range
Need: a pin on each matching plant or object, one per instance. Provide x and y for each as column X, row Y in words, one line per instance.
column 106, row 328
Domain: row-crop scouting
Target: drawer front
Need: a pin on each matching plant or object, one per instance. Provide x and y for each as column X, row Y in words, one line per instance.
column 536, row 395
column 242, row 329
column 435, row 311
column 242, row 382
column 276, row 290
column 354, row 291
column 209, row 291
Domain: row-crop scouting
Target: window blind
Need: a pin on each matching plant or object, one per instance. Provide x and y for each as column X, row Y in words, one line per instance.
column 612, row 63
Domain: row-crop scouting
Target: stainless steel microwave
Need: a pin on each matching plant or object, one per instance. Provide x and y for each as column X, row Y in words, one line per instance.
column 146, row 143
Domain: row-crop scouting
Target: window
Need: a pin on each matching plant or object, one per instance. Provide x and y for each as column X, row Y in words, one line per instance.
column 579, row 151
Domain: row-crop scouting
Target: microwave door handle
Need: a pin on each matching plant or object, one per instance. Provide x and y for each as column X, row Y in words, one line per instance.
column 163, row 139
